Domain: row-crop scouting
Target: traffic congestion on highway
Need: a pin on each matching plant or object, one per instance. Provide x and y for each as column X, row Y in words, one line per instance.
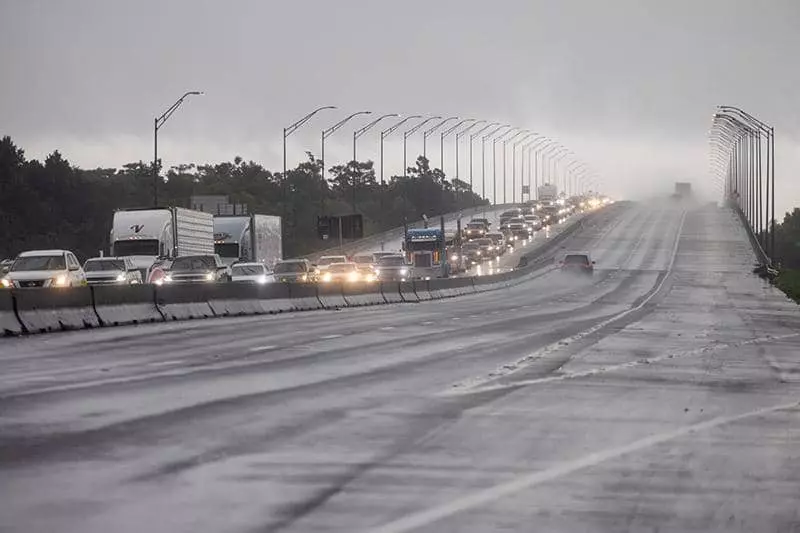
column 203, row 251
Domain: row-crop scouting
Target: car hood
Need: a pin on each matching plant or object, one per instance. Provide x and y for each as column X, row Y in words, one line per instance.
column 35, row 275
column 103, row 273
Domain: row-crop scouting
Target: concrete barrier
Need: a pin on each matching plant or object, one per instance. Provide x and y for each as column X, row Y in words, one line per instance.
column 391, row 292
column 454, row 287
column 330, row 295
column 241, row 299
column 407, row 292
column 422, row 290
column 439, row 288
column 41, row 310
column 184, row 301
column 358, row 294
column 304, row 296
column 9, row 324
column 117, row 305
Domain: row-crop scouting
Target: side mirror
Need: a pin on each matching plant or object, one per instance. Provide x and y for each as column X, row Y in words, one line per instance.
column 594, row 262
column 74, row 268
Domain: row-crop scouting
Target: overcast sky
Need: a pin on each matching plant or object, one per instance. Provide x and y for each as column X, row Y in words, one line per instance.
column 628, row 85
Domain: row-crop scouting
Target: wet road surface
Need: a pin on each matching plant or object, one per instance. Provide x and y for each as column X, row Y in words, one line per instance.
column 658, row 395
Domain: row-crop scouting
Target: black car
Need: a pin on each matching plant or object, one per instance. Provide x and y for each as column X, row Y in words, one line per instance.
column 577, row 263
column 197, row 268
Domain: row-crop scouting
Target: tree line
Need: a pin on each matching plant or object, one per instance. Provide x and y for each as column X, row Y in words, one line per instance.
column 54, row 204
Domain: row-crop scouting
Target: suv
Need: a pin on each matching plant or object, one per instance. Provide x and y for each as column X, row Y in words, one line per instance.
column 111, row 271
column 44, row 268
column 293, row 271
column 578, row 263
column 327, row 260
column 475, row 230
column 393, row 268
column 192, row 268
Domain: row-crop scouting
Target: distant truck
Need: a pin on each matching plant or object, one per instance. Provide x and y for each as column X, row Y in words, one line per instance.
column 683, row 190
column 147, row 234
column 547, row 193
column 248, row 238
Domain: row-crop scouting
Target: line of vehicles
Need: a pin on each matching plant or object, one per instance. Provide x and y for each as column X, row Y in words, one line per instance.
column 176, row 245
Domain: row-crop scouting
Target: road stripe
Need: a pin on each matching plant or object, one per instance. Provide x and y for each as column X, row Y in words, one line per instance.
column 329, row 337
column 262, row 348
column 534, row 479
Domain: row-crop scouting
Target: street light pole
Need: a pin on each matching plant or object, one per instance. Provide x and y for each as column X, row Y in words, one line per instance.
column 357, row 134
column 494, row 165
column 385, row 133
column 327, row 133
column 514, row 145
column 157, row 123
column 505, row 156
column 494, row 162
column 537, row 145
column 471, row 139
column 526, row 151
column 458, row 136
column 429, row 132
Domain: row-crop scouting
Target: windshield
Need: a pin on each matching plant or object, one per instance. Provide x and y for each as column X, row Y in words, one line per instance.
column 342, row 267
column 247, row 270
column 194, row 263
column 392, row 261
column 484, row 242
column 227, row 249
column 324, row 261
column 136, row 247
column 470, row 247
column 97, row 265
column 294, row 266
column 39, row 262
column 363, row 259
column 576, row 260
column 475, row 225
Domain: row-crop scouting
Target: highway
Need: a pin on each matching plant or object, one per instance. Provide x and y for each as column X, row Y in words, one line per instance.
column 659, row 395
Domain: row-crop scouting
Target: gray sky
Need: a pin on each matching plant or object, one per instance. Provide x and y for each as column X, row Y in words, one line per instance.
column 628, row 85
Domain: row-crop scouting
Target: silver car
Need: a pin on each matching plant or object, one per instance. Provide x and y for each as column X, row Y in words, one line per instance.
column 111, row 271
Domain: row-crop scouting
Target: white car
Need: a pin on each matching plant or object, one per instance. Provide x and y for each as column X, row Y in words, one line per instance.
column 327, row 260
column 250, row 273
column 44, row 268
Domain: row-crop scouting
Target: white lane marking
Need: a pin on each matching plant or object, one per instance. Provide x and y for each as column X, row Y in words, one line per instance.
column 630, row 364
column 172, row 362
column 262, row 348
column 456, row 318
column 329, row 337
column 519, row 364
column 533, row 479
column 428, row 323
column 387, row 328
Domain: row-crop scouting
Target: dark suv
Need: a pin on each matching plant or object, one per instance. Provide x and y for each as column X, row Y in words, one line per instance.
column 194, row 268
column 578, row 263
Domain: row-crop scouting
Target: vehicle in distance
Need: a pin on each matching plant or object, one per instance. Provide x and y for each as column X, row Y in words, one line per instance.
column 44, row 268
column 484, row 221
column 393, row 268
column 475, row 230
column 293, row 271
column 365, row 262
column 578, row 263
column 499, row 241
column 197, row 268
column 250, row 273
column 534, row 222
column 505, row 216
column 486, row 246
column 111, row 271
column 472, row 253
column 327, row 260
column 519, row 230
column 345, row 273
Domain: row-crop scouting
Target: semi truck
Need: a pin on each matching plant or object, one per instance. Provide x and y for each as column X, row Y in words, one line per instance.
column 145, row 235
column 251, row 238
column 683, row 190
column 547, row 192
column 425, row 251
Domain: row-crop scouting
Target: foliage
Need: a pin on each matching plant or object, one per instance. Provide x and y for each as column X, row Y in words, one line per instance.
column 56, row 205
column 789, row 282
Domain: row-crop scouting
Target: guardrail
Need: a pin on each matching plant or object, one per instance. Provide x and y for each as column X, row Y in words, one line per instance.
column 28, row 311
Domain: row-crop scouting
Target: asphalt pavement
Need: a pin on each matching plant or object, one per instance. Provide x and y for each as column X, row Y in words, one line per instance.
column 661, row 394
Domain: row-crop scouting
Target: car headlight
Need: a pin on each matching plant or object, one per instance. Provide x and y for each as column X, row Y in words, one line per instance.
column 121, row 277
column 353, row 276
column 403, row 271
column 167, row 278
column 304, row 277
column 60, row 281
column 479, row 252
column 454, row 257
column 209, row 276
column 6, row 283
column 377, row 271
column 326, row 277
column 261, row 280
column 370, row 277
